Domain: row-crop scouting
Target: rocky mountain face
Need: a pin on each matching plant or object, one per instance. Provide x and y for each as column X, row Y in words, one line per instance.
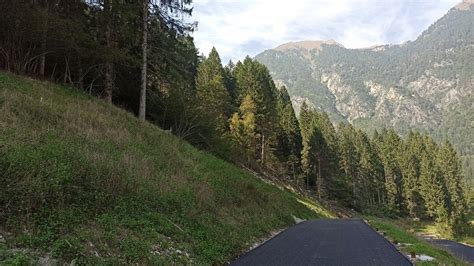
column 426, row 84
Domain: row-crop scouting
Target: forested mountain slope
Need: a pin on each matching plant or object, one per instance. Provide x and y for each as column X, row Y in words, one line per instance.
column 426, row 84
column 84, row 180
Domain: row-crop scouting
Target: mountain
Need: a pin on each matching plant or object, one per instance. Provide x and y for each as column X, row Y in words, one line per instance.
column 426, row 84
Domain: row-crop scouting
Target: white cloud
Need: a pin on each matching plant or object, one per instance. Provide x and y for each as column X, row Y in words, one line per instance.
column 246, row 27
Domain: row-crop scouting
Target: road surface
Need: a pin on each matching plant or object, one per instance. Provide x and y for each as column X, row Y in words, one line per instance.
column 326, row 242
column 459, row 250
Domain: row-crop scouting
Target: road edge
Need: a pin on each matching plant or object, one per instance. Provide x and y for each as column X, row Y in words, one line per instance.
column 395, row 246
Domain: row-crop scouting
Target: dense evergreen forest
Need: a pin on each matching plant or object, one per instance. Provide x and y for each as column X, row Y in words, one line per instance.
column 140, row 55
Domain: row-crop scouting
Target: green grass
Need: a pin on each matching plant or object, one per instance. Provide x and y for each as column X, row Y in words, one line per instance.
column 83, row 180
column 466, row 240
column 410, row 243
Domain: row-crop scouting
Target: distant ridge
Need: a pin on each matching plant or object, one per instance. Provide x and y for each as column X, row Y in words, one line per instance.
column 308, row 45
column 465, row 5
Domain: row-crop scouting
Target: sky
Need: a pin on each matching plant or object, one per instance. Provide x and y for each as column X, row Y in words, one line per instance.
column 247, row 27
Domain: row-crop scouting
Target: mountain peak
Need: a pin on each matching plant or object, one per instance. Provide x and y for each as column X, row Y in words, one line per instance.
column 465, row 5
column 307, row 45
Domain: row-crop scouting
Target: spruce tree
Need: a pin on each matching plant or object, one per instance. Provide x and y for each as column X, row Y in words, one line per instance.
column 327, row 152
column 230, row 82
column 289, row 136
column 243, row 128
column 388, row 145
column 449, row 167
column 410, row 167
column 306, row 135
column 379, row 171
column 212, row 97
column 348, row 160
column 432, row 187
column 369, row 174
column 253, row 78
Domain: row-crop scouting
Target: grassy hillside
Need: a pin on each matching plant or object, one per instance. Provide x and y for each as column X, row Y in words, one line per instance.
column 83, row 180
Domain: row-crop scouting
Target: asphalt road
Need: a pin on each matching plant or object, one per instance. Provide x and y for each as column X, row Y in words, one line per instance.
column 460, row 250
column 326, row 242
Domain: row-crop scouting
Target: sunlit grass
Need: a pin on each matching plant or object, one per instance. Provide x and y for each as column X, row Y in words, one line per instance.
column 411, row 243
column 316, row 207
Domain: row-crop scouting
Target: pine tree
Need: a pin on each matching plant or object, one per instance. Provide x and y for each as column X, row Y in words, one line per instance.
column 253, row 78
column 449, row 167
column 289, row 136
column 166, row 13
column 432, row 187
column 349, row 160
column 410, row 166
column 212, row 96
column 327, row 153
column 305, row 121
column 388, row 147
column 306, row 135
column 369, row 174
column 378, row 167
column 230, row 82
column 171, row 101
column 243, row 128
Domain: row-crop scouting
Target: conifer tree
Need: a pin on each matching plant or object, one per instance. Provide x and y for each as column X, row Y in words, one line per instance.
column 243, row 128
column 253, row 78
column 410, row 166
column 369, row 173
column 389, row 153
column 432, row 187
column 212, row 96
column 327, row 153
column 306, row 135
column 289, row 137
column 349, row 160
column 230, row 82
column 450, row 169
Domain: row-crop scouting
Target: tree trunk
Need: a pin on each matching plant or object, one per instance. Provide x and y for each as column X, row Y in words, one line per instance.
column 66, row 70
column 43, row 56
column 142, row 106
column 293, row 168
column 44, row 37
column 43, row 45
column 80, row 74
column 320, row 181
column 109, row 67
column 378, row 195
column 109, row 81
column 354, row 191
column 262, row 155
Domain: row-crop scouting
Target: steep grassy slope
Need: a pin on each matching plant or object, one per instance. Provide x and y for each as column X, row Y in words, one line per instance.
column 81, row 179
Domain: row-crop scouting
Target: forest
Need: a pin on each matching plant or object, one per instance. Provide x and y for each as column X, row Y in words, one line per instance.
column 140, row 56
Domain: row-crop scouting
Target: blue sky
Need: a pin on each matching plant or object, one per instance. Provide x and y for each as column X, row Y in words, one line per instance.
column 247, row 27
